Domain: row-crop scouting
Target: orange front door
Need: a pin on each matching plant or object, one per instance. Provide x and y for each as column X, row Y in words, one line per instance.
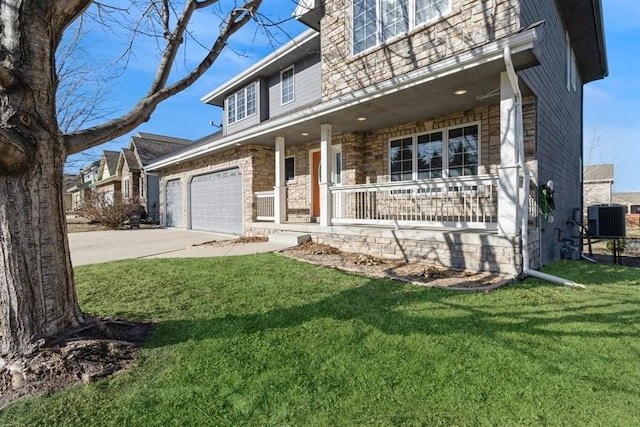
column 315, row 183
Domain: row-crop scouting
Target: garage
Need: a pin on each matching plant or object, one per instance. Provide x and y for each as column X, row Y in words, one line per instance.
column 173, row 204
column 216, row 202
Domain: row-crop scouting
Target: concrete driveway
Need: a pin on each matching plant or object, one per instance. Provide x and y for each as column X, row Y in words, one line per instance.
column 93, row 247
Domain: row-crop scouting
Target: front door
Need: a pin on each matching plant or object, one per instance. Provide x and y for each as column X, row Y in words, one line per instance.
column 336, row 176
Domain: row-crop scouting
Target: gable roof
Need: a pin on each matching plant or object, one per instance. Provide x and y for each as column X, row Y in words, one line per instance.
column 70, row 181
column 306, row 43
column 150, row 146
column 631, row 198
column 194, row 145
column 128, row 157
column 111, row 161
column 602, row 172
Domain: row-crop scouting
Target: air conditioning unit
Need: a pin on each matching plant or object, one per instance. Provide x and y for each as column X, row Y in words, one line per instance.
column 607, row 221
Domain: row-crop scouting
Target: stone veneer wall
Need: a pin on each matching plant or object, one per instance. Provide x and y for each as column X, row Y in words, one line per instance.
column 473, row 251
column 255, row 162
column 471, row 23
column 365, row 156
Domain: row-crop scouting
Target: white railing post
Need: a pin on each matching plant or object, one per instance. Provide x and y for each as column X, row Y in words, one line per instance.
column 279, row 191
column 325, row 174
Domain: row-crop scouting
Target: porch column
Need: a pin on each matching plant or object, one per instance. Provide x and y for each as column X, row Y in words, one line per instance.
column 280, row 191
column 508, row 171
column 325, row 174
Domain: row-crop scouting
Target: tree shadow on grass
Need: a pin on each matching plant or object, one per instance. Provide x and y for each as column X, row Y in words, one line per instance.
column 389, row 307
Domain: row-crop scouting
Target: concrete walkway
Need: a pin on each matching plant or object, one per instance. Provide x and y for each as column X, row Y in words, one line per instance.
column 101, row 246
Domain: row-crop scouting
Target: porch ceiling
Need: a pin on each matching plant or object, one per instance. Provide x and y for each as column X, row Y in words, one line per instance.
column 431, row 99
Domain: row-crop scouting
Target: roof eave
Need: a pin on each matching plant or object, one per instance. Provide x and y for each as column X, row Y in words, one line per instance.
column 217, row 96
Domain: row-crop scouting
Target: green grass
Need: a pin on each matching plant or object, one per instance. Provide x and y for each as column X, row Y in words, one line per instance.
column 266, row 340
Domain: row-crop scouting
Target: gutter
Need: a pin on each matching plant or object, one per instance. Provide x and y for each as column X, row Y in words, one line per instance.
column 524, row 194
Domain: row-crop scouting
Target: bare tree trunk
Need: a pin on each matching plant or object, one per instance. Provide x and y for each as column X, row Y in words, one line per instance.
column 37, row 290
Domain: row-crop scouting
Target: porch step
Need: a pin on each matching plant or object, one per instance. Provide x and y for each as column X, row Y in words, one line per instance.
column 288, row 238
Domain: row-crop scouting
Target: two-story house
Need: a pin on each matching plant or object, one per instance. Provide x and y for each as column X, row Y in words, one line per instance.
column 416, row 129
column 136, row 180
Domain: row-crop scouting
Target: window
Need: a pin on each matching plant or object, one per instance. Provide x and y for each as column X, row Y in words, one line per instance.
column 286, row 83
column 375, row 21
column 401, row 157
column 444, row 153
column 289, row 169
column 127, row 190
column 571, row 67
column 241, row 104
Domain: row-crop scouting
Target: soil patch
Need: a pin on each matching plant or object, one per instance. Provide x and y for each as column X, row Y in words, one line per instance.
column 417, row 273
column 238, row 241
column 100, row 348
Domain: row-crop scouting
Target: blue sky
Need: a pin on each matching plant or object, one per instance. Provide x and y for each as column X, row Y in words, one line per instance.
column 611, row 106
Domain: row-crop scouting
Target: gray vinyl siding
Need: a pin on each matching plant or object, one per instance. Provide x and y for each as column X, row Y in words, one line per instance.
column 559, row 124
column 247, row 122
column 307, row 88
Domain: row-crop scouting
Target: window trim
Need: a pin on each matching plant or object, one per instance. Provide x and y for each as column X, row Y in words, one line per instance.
column 234, row 96
column 445, row 151
column 293, row 178
column 293, row 85
column 412, row 25
column 571, row 67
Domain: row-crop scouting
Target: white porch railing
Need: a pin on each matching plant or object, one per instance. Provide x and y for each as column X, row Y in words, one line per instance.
column 455, row 202
column 265, row 207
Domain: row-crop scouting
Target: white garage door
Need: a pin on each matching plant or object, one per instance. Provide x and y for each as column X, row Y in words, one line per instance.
column 173, row 203
column 216, row 202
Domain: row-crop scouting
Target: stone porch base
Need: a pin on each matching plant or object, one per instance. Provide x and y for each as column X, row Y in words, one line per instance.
column 468, row 249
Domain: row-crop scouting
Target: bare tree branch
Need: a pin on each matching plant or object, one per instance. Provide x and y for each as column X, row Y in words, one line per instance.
column 238, row 17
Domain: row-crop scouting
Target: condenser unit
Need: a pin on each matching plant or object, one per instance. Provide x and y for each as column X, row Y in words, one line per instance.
column 607, row 221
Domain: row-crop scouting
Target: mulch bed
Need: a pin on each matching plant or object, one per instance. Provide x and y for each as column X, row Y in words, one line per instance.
column 416, row 273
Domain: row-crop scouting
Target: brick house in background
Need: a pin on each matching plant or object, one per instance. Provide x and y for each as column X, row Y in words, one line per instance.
column 402, row 129
column 597, row 185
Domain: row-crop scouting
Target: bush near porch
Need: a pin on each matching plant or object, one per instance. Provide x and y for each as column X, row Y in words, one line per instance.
column 266, row 340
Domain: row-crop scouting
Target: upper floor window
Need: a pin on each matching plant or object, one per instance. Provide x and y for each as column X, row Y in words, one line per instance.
column 241, row 104
column 286, row 83
column 571, row 67
column 375, row 21
column 444, row 153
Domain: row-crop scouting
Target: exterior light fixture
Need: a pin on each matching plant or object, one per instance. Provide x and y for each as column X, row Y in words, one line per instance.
column 305, row 133
column 460, row 92
column 361, row 119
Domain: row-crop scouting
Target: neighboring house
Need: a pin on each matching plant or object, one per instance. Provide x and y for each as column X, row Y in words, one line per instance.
column 109, row 182
column 78, row 192
column 69, row 182
column 143, row 149
column 400, row 129
column 631, row 201
column 597, row 185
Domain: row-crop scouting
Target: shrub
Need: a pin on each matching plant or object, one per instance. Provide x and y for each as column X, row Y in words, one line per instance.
column 621, row 244
column 110, row 210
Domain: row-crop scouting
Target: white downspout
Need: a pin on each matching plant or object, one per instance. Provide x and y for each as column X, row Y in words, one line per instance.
column 524, row 194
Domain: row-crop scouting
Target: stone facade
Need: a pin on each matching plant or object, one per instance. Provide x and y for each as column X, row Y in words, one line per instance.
column 255, row 162
column 470, row 24
column 463, row 249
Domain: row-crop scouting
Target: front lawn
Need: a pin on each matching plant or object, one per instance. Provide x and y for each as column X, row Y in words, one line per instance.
column 267, row 340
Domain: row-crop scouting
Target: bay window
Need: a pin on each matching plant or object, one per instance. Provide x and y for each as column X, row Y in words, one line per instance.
column 445, row 153
column 375, row 21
